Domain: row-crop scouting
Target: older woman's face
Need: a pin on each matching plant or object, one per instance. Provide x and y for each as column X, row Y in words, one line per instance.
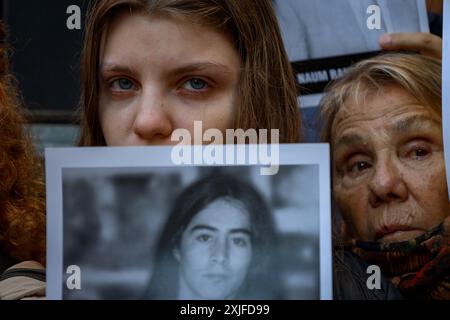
column 388, row 171
column 158, row 74
column 215, row 252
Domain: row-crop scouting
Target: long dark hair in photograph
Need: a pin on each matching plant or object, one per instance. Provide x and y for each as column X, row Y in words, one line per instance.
column 262, row 277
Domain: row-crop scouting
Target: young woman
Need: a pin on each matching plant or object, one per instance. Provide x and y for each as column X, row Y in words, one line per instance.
column 150, row 67
column 218, row 243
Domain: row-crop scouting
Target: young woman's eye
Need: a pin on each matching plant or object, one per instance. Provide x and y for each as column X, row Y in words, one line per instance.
column 204, row 238
column 240, row 242
column 122, row 84
column 195, row 84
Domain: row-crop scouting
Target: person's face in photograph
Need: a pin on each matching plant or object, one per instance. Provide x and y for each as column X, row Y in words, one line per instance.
column 158, row 74
column 388, row 171
column 215, row 252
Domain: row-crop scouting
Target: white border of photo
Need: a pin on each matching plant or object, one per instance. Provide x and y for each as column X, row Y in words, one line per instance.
column 140, row 157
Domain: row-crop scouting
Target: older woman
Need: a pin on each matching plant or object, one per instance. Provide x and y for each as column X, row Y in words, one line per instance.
column 384, row 122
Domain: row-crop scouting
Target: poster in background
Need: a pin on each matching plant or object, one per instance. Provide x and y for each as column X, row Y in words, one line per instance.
column 323, row 38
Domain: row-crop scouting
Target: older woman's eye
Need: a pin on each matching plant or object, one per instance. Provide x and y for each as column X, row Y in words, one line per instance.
column 360, row 166
column 357, row 165
column 420, row 153
column 122, row 84
column 416, row 150
column 195, row 84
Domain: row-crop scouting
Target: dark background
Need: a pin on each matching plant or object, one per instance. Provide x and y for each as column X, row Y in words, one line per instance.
column 45, row 56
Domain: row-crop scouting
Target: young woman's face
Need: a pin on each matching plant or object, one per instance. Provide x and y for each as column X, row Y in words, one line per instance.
column 215, row 252
column 158, row 74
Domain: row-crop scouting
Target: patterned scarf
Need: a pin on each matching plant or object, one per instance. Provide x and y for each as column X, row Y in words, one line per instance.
column 420, row 268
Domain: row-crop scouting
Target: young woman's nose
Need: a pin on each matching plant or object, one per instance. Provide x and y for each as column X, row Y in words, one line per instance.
column 387, row 183
column 220, row 251
column 153, row 117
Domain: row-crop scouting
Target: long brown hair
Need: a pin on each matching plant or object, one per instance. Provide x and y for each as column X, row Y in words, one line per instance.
column 22, row 197
column 266, row 97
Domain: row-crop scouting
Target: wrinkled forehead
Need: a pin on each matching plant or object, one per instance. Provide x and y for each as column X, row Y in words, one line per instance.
column 384, row 107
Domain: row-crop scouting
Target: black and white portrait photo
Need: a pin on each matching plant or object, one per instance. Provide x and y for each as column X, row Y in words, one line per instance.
column 193, row 233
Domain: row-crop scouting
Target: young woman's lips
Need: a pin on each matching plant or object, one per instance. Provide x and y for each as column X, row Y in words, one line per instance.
column 216, row 276
column 395, row 233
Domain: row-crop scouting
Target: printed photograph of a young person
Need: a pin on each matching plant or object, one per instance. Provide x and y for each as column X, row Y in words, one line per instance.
column 193, row 233
column 218, row 243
